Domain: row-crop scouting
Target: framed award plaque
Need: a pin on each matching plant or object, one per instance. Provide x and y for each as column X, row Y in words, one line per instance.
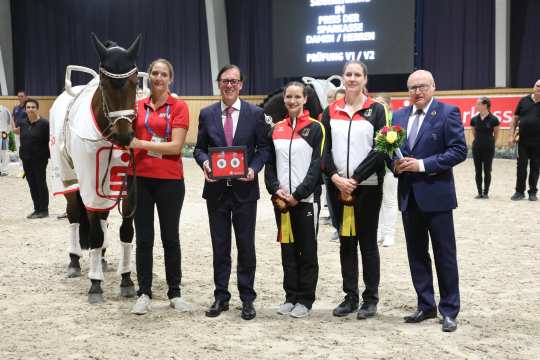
column 228, row 162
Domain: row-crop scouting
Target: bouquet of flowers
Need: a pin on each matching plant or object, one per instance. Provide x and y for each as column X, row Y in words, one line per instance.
column 389, row 139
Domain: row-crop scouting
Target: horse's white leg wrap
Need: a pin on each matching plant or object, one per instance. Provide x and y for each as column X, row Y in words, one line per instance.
column 124, row 265
column 105, row 227
column 96, row 269
column 74, row 244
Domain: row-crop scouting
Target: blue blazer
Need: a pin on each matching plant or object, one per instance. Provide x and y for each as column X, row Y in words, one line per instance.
column 441, row 144
column 251, row 131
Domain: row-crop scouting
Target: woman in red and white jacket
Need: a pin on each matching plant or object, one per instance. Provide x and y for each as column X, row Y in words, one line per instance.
column 292, row 176
column 160, row 131
column 356, row 172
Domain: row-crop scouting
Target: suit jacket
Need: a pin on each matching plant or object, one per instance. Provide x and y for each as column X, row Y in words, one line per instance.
column 251, row 131
column 441, row 144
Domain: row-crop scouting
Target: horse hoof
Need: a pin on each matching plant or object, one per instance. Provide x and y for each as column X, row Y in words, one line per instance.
column 95, row 298
column 73, row 272
column 127, row 291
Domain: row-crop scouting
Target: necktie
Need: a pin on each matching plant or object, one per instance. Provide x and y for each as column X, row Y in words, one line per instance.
column 414, row 129
column 228, row 126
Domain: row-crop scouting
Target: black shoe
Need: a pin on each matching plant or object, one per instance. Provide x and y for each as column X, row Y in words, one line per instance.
column 517, row 196
column 449, row 324
column 217, row 307
column 41, row 215
column 485, row 196
column 248, row 311
column 366, row 311
column 532, row 197
column 479, row 196
column 345, row 308
column 420, row 315
column 31, row 215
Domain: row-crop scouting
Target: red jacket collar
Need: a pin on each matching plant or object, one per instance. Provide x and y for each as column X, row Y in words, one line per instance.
column 301, row 119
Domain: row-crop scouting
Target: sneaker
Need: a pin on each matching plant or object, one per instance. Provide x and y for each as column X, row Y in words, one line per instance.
column 532, row 197
column 366, row 311
column 142, row 305
column 299, row 311
column 179, row 304
column 335, row 236
column 285, row 309
column 517, row 196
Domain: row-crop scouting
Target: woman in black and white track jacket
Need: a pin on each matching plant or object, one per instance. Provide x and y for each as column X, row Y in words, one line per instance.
column 356, row 172
column 292, row 176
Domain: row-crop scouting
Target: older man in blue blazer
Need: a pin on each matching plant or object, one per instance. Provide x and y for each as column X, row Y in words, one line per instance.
column 426, row 193
column 232, row 122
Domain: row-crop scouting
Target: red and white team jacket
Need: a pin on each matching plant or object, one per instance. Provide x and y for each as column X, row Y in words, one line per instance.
column 295, row 164
column 351, row 138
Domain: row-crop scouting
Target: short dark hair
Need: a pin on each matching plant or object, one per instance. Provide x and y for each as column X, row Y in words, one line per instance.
column 229, row 67
column 20, row 91
column 30, row 100
column 296, row 83
column 485, row 100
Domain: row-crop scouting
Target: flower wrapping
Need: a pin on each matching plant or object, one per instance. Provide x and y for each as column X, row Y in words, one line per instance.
column 389, row 139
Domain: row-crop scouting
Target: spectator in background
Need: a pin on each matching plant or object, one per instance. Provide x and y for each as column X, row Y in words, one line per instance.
column 486, row 131
column 525, row 130
column 18, row 115
column 5, row 127
column 34, row 153
column 389, row 208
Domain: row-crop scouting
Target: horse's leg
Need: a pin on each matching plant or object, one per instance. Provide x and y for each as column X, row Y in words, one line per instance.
column 98, row 229
column 127, row 288
column 106, row 243
column 75, row 252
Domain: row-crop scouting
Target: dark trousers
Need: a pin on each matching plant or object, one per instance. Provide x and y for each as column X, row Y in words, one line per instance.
column 242, row 216
column 527, row 153
column 327, row 181
column 299, row 259
column 366, row 213
column 36, row 176
column 419, row 226
column 483, row 158
column 168, row 197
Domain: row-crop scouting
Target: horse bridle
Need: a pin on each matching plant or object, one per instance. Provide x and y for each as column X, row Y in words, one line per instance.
column 114, row 116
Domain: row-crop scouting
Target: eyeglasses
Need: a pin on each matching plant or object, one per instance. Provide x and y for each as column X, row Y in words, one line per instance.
column 232, row 82
column 421, row 88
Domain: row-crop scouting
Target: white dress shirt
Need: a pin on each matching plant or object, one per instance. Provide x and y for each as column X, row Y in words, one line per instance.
column 235, row 114
column 420, row 121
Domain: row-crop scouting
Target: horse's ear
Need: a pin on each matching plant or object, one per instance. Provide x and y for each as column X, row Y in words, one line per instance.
column 133, row 50
column 100, row 48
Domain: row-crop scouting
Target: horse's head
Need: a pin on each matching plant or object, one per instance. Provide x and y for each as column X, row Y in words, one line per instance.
column 118, row 87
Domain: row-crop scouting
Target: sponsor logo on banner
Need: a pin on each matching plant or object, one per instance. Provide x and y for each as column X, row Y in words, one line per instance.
column 502, row 106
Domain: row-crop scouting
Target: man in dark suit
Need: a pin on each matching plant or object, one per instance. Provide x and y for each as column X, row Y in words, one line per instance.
column 426, row 193
column 232, row 122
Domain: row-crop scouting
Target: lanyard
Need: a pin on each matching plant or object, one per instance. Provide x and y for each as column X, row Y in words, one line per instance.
column 167, row 122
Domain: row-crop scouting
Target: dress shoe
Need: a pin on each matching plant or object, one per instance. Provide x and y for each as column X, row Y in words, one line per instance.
column 485, row 196
column 366, row 311
column 420, row 315
column 345, row 308
column 532, row 197
column 449, row 324
column 517, row 196
column 40, row 215
column 248, row 311
column 30, row 216
column 217, row 307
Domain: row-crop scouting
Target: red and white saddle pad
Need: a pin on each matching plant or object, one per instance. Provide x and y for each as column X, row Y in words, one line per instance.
column 81, row 158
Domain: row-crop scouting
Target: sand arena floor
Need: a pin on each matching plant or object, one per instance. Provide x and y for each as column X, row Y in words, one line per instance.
column 44, row 315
